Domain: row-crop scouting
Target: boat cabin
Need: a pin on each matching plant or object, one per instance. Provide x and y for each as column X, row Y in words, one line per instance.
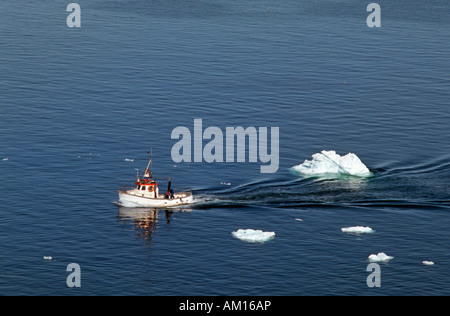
column 147, row 187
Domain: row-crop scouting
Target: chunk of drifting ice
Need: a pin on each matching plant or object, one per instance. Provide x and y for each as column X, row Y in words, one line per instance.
column 428, row 263
column 357, row 230
column 48, row 258
column 5, row 159
column 129, row 160
column 328, row 162
column 252, row 235
column 380, row 257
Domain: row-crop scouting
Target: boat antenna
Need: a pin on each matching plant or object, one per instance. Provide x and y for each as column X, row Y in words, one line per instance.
column 137, row 174
column 148, row 170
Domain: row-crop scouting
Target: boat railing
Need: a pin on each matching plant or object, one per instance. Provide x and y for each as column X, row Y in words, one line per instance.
column 188, row 191
column 124, row 188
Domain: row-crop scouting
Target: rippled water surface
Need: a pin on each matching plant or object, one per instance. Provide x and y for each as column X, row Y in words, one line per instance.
column 77, row 105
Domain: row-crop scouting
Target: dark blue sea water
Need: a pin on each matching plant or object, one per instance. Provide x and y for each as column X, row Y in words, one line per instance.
column 76, row 102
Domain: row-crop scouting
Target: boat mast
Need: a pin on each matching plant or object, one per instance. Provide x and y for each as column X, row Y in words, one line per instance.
column 148, row 170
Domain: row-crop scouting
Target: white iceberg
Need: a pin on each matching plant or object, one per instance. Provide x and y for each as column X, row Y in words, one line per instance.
column 357, row 230
column 380, row 257
column 428, row 263
column 252, row 235
column 328, row 162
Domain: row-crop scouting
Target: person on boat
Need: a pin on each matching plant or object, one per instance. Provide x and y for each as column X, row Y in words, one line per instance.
column 169, row 194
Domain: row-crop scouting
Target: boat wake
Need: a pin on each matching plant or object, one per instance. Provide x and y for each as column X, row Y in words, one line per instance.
column 333, row 181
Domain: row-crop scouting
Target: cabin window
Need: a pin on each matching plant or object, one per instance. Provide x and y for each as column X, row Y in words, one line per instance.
column 143, row 188
column 139, row 187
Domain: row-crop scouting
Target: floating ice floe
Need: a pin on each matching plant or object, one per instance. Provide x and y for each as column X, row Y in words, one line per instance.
column 358, row 230
column 225, row 183
column 252, row 235
column 129, row 160
column 428, row 263
column 328, row 162
column 48, row 258
column 299, row 219
column 5, row 159
column 380, row 257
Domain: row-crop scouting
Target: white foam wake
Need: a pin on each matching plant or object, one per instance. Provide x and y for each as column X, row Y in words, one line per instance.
column 328, row 162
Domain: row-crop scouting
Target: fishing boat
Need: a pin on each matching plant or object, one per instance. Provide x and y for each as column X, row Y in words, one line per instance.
column 146, row 193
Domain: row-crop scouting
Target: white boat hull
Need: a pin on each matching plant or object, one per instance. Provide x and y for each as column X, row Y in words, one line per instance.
column 133, row 198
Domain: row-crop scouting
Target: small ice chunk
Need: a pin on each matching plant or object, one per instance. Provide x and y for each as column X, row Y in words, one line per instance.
column 5, row 159
column 380, row 257
column 357, row 229
column 225, row 183
column 428, row 263
column 129, row 159
column 299, row 219
column 48, row 258
column 252, row 235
